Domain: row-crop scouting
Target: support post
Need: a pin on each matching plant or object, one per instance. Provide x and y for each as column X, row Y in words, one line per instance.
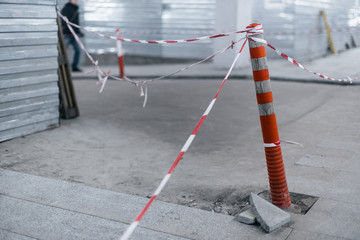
column 328, row 31
column 275, row 165
column 120, row 54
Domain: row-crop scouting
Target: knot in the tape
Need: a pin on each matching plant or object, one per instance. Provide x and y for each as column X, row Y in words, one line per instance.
column 253, row 29
column 232, row 44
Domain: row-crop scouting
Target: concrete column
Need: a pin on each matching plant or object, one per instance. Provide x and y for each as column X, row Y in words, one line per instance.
column 232, row 15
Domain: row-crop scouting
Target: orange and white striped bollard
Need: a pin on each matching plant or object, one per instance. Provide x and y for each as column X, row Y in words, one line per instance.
column 275, row 165
column 120, row 54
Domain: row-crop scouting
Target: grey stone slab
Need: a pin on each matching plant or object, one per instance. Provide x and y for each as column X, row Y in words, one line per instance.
column 325, row 183
column 7, row 235
column 305, row 235
column 343, row 164
column 340, row 145
column 247, row 217
column 46, row 222
column 268, row 215
column 334, row 218
column 107, row 205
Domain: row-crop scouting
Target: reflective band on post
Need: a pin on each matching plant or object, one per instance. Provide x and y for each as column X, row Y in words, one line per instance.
column 266, row 109
column 259, row 64
column 263, row 86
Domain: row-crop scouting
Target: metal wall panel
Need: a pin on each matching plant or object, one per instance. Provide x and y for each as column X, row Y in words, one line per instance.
column 29, row 93
column 340, row 19
column 128, row 15
column 276, row 17
column 197, row 16
column 30, row 2
column 160, row 19
column 284, row 21
column 296, row 27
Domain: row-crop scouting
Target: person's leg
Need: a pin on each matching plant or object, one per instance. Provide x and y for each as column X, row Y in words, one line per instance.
column 76, row 55
column 67, row 41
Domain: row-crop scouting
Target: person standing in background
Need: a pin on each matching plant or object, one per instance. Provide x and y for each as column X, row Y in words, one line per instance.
column 71, row 11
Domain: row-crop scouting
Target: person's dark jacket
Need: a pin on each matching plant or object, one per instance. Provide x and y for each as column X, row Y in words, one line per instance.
column 71, row 11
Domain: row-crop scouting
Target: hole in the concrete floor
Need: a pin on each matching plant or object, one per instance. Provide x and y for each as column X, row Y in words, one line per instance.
column 233, row 201
column 300, row 203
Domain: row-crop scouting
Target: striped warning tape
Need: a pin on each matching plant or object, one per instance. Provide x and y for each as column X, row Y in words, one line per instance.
column 99, row 72
column 211, row 32
column 348, row 79
column 143, row 83
column 186, row 146
column 312, row 31
column 155, row 41
column 275, row 144
column 162, row 31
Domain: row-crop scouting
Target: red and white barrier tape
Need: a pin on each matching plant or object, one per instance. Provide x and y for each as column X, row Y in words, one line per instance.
column 143, row 84
column 163, row 31
column 348, row 79
column 187, row 144
column 313, row 31
column 156, row 41
column 275, row 144
column 101, row 80
column 182, row 32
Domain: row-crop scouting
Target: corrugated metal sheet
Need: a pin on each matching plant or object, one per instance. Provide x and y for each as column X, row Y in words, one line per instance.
column 276, row 16
column 195, row 15
column 29, row 100
column 128, row 15
column 297, row 28
column 339, row 18
column 284, row 21
column 162, row 19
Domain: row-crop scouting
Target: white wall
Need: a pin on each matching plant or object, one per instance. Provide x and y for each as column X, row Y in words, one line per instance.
column 232, row 15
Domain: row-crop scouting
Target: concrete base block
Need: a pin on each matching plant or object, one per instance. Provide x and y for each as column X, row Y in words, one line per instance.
column 247, row 217
column 269, row 216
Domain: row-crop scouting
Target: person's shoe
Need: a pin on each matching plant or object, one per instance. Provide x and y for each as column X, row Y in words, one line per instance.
column 76, row 70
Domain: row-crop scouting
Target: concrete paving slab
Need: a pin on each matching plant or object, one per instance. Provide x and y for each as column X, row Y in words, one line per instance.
column 325, row 183
column 247, row 217
column 343, row 164
column 339, row 145
column 98, row 208
column 268, row 215
column 46, row 222
column 334, row 218
column 305, row 235
column 123, row 147
column 7, row 235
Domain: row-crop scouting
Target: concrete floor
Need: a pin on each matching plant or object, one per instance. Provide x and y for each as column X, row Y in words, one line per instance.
column 117, row 145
